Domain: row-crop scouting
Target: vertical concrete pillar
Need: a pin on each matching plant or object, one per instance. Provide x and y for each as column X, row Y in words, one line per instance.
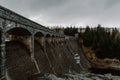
column 33, row 52
column 2, row 54
column 32, row 46
column 47, row 55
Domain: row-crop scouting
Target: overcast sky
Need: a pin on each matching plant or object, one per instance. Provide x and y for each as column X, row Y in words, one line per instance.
column 68, row 12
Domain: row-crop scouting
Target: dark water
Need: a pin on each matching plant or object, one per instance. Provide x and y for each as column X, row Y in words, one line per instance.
column 105, row 71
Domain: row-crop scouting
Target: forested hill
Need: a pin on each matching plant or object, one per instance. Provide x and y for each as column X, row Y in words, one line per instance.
column 105, row 42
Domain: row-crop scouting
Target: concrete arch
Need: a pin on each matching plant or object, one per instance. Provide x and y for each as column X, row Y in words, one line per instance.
column 57, row 36
column 20, row 34
column 24, row 35
column 39, row 36
column 53, row 36
column 27, row 28
column 48, row 38
column 47, row 35
column 18, row 31
column 36, row 31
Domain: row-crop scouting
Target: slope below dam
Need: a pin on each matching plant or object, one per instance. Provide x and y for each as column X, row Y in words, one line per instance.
column 55, row 58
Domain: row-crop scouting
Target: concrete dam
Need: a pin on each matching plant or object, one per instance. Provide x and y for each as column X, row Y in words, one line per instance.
column 28, row 49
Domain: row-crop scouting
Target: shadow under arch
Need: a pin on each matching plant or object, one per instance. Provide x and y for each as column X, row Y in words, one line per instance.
column 39, row 34
column 40, row 53
column 19, row 31
column 39, row 37
column 47, row 35
column 53, row 36
column 19, row 65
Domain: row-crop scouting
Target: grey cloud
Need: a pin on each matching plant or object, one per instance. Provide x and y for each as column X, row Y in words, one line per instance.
column 68, row 12
column 44, row 4
column 110, row 3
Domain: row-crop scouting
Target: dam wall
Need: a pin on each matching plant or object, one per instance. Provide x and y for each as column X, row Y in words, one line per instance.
column 54, row 58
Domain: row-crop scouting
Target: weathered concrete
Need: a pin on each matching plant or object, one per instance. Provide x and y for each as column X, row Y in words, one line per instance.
column 28, row 48
column 19, row 64
column 20, row 27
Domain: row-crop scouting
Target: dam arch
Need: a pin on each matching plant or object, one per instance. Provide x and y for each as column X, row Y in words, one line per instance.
column 40, row 55
column 19, row 34
column 18, row 48
column 18, row 54
column 48, row 38
column 39, row 36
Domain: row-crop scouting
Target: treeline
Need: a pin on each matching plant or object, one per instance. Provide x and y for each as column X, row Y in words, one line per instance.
column 105, row 42
column 70, row 30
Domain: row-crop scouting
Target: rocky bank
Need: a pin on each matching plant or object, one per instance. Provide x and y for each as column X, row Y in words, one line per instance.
column 80, row 76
